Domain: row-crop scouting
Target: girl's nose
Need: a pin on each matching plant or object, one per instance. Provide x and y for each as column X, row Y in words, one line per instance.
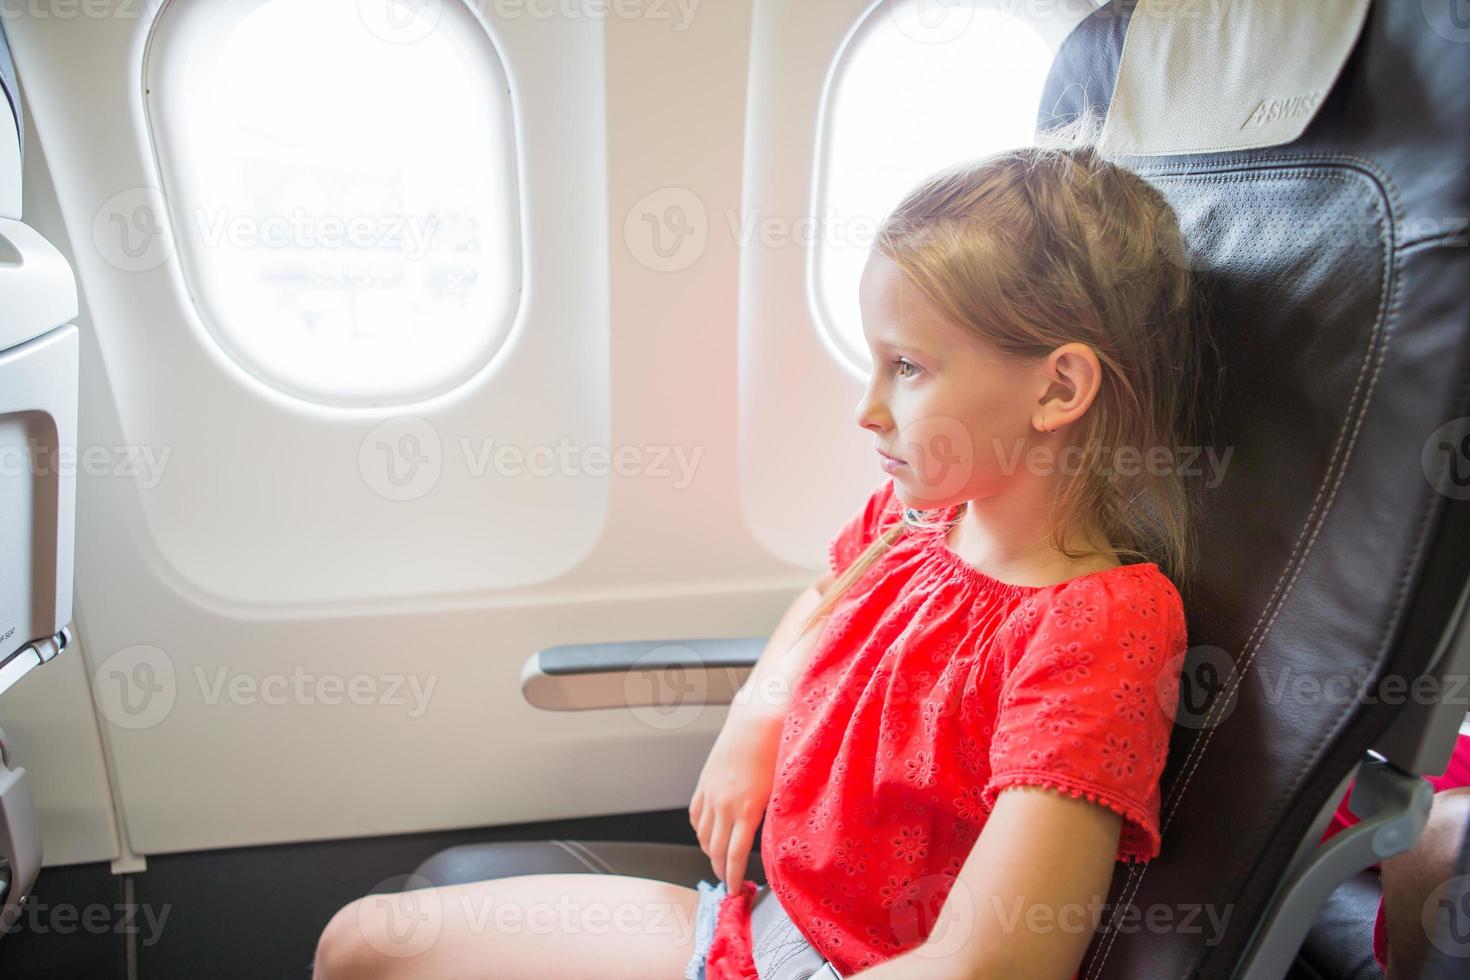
column 871, row 414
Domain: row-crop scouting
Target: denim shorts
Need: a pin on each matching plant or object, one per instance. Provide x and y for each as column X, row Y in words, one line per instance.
column 779, row 949
column 710, row 897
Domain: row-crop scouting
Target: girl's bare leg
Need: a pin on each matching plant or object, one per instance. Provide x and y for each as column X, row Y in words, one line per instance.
column 526, row 927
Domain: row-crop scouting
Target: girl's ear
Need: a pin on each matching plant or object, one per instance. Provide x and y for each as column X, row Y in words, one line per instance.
column 1072, row 376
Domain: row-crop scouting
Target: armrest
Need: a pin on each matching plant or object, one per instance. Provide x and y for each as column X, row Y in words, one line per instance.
column 661, row 674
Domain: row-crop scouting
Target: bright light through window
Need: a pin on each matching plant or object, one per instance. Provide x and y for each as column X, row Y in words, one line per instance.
column 346, row 200
column 903, row 104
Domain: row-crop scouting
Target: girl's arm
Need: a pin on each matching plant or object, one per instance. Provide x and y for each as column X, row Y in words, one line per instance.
column 735, row 784
column 1029, row 897
column 766, row 693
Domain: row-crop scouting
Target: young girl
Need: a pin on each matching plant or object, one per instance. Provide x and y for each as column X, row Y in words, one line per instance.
column 987, row 662
column 978, row 733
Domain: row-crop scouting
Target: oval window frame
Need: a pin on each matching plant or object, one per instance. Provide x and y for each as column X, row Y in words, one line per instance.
column 827, row 325
column 182, row 23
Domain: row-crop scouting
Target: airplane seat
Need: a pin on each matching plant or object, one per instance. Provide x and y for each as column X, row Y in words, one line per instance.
column 38, row 422
column 1316, row 155
column 1339, row 945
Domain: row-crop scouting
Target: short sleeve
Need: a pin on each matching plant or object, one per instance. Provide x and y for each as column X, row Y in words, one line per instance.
column 881, row 509
column 1089, row 697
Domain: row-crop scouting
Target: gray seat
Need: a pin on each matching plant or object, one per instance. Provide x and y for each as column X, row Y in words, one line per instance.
column 1340, row 943
column 682, row 864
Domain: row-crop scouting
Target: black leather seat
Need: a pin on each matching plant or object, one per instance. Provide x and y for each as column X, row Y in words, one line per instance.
column 1335, row 275
column 1340, row 944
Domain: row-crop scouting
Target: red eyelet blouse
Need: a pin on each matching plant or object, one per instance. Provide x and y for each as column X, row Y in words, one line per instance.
column 932, row 688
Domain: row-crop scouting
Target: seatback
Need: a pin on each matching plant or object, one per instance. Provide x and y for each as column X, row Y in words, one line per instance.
column 38, row 438
column 1334, row 269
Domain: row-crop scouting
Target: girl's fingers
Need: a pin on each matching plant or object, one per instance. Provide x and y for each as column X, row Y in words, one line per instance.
column 719, row 841
column 737, row 855
column 706, row 823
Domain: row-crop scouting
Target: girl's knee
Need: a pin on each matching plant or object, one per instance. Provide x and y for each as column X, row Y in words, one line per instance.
column 345, row 951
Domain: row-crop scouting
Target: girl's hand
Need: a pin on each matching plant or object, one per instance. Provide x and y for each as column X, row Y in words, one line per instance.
column 733, row 790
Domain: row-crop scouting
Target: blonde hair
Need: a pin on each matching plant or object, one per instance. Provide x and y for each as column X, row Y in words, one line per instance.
column 1036, row 247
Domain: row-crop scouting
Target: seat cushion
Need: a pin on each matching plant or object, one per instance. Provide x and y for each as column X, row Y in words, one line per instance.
column 1340, row 943
column 682, row 864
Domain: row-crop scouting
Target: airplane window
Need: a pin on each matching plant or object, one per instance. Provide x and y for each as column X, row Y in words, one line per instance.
column 915, row 88
column 343, row 192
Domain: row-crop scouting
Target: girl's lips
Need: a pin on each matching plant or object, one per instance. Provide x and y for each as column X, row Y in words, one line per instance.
column 889, row 463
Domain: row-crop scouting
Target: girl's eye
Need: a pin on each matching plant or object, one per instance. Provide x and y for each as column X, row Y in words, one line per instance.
column 905, row 362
